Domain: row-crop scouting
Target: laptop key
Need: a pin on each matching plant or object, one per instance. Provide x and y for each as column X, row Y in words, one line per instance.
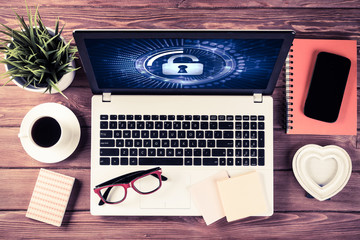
column 117, row 134
column 228, row 134
column 133, row 161
column 210, row 161
column 104, row 161
column 261, row 161
column 124, row 161
column 115, row 161
column 197, row 161
column 188, row 161
column 218, row 152
column 113, row 125
column 106, row 134
column 179, row 152
column 120, row 143
column 253, row 161
column 161, row 161
column 107, row 143
column 109, row 152
column 104, row 125
column 261, row 139
column 226, row 125
column 224, row 143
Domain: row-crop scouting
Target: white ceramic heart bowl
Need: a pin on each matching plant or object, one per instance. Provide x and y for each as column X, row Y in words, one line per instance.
column 322, row 171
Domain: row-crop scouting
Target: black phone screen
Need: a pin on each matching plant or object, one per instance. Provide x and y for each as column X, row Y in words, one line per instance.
column 327, row 87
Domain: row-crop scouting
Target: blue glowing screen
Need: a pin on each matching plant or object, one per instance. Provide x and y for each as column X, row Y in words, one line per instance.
column 183, row 63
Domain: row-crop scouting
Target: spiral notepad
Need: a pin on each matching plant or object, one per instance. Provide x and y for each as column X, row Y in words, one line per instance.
column 50, row 197
column 299, row 67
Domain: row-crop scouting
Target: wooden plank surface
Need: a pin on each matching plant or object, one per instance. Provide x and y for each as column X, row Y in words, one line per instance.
column 294, row 215
column 78, row 225
column 321, row 23
column 189, row 4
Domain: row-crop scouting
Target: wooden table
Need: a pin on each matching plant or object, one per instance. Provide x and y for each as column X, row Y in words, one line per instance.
column 295, row 216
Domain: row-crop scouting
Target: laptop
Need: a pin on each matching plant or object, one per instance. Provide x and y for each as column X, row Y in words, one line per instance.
column 192, row 102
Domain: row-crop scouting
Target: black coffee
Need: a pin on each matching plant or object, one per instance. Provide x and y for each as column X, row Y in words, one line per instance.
column 46, row 132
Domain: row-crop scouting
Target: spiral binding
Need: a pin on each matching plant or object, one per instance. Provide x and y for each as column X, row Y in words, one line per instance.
column 289, row 90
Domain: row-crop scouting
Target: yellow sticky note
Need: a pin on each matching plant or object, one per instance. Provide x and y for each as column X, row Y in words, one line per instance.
column 206, row 197
column 242, row 196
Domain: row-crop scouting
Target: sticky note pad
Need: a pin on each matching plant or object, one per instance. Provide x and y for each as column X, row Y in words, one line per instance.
column 50, row 197
column 242, row 196
column 206, row 198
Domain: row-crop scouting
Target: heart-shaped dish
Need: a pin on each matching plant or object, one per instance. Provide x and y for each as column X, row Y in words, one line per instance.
column 322, row 171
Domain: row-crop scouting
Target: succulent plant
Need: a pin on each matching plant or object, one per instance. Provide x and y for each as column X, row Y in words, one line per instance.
column 36, row 54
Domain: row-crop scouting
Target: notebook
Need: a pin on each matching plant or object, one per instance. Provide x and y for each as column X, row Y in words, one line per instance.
column 50, row 197
column 300, row 67
column 193, row 102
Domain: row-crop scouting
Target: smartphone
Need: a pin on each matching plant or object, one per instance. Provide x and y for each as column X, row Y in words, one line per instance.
column 327, row 87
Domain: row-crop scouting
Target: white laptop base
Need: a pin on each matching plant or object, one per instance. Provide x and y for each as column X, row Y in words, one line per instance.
column 173, row 198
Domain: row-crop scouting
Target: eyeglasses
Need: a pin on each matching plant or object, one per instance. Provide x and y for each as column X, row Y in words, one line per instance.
column 143, row 182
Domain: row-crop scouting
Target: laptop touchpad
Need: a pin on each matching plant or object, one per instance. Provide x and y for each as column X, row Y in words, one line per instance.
column 174, row 193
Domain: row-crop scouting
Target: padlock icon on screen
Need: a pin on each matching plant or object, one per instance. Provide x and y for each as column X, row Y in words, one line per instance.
column 192, row 68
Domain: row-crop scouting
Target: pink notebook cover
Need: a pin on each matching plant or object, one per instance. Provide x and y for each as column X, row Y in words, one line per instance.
column 50, row 197
column 301, row 65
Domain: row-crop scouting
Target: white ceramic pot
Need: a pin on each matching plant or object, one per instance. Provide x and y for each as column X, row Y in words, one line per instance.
column 62, row 84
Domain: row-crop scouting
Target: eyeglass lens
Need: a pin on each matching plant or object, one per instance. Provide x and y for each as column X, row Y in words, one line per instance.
column 113, row 194
column 147, row 184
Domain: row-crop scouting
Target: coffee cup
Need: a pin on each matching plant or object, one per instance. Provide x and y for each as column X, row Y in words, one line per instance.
column 44, row 132
column 50, row 132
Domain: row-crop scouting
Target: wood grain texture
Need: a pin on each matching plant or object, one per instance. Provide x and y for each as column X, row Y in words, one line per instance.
column 190, row 4
column 81, row 225
column 295, row 216
column 322, row 23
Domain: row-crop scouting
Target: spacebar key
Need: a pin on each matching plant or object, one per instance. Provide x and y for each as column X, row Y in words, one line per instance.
column 160, row 161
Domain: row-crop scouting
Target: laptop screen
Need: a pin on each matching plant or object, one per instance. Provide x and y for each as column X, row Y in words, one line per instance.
column 195, row 62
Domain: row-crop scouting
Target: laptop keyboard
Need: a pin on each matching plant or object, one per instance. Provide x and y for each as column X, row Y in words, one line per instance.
column 209, row 140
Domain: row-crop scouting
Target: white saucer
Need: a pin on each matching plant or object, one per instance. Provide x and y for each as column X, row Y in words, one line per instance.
column 68, row 141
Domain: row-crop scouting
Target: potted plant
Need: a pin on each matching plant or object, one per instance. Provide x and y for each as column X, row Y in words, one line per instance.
column 36, row 57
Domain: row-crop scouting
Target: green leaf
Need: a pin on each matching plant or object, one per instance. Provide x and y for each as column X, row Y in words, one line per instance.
column 53, row 85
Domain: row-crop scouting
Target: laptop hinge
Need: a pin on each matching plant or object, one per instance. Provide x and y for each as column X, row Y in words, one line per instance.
column 106, row 97
column 258, row 98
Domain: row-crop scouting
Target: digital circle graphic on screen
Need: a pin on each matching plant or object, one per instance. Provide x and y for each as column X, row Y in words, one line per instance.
column 183, row 63
column 197, row 63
